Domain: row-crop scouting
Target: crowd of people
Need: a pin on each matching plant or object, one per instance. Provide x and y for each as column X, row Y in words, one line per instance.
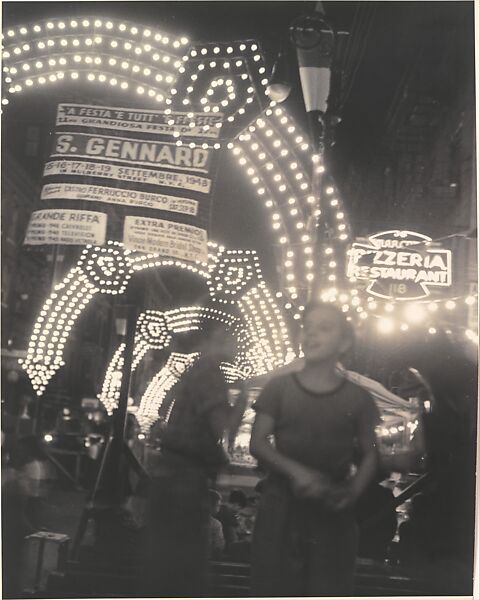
column 318, row 505
column 314, row 435
column 25, row 474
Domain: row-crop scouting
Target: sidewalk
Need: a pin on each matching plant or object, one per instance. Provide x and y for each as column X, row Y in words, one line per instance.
column 61, row 510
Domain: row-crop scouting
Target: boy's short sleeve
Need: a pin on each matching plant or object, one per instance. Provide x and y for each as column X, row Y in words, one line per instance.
column 268, row 401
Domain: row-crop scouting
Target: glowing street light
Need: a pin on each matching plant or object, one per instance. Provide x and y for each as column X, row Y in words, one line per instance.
column 314, row 40
column 279, row 85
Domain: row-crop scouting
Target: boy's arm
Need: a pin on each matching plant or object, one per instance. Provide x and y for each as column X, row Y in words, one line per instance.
column 306, row 482
column 349, row 494
column 368, row 463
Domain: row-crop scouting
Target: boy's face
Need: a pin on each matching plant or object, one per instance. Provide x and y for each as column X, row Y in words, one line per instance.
column 323, row 336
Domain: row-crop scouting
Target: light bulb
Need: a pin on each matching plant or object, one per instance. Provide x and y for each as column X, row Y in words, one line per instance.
column 415, row 313
column 385, row 325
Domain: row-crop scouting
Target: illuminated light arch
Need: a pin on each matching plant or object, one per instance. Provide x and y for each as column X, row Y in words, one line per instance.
column 152, row 333
column 261, row 348
column 108, row 269
column 130, row 57
column 155, row 330
column 153, row 399
column 153, row 407
column 205, row 71
column 279, row 162
column 105, row 51
column 111, row 51
column 260, row 332
column 234, row 76
column 113, row 378
column 263, row 137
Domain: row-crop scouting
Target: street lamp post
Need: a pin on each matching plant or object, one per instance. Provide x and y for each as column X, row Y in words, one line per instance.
column 314, row 40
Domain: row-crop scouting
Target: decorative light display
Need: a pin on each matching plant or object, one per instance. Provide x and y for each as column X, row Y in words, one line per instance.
column 232, row 272
column 232, row 373
column 211, row 78
column 53, row 326
column 185, row 318
column 139, row 262
column 152, row 333
column 227, row 79
column 108, row 269
column 110, row 393
column 222, row 79
column 267, row 347
column 431, row 315
column 104, row 51
column 153, row 406
column 278, row 160
column 400, row 428
column 99, row 270
column 261, row 334
column 148, row 410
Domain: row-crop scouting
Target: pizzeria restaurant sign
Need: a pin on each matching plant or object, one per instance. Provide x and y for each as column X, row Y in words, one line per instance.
column 400, row 265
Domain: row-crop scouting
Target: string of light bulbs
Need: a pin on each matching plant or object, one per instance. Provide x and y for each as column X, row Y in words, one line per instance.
column 93, row 50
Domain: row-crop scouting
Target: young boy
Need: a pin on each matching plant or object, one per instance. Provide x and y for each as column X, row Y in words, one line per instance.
column 305, row 537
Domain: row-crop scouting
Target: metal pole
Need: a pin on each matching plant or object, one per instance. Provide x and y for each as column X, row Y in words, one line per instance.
column 112, row 473
column 129, row 319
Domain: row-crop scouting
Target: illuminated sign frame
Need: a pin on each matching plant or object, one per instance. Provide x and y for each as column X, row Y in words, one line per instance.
column 404, row 259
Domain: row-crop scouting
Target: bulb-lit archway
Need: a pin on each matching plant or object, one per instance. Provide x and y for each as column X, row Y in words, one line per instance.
column 166, row 71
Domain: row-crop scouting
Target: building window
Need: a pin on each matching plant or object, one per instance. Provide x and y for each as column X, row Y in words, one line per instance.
column 454, row 162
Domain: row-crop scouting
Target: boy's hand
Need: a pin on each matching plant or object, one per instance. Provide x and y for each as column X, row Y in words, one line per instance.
column 340, row 497
column 308, row 483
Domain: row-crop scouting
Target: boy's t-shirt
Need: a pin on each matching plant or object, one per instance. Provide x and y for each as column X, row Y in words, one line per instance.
column 319, row 430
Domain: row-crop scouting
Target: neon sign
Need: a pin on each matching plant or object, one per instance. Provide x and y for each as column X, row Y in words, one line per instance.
column 400, row 265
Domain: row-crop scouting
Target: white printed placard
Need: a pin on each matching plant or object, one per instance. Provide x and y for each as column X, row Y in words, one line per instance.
column 166, row 238
column 132, row 151
column 125, row 197
column 193, row 183
column 138, row 120
column 66, row 226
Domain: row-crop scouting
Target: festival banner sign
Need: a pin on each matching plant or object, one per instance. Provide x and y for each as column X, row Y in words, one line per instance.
column 166, row 238
column 66, row 226
column 129, row 174
column 145, row 121
column 128, row 163
column 131, row 151
column 96, row 193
